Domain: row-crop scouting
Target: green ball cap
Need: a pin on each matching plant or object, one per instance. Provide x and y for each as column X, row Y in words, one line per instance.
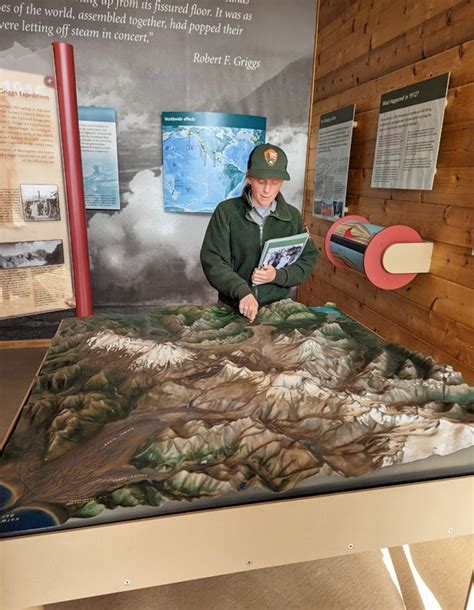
column 268, row 161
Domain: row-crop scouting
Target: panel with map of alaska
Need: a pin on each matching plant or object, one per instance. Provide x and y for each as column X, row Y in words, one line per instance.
column 191, row 407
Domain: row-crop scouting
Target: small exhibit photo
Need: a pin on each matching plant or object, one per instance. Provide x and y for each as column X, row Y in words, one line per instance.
column 40, row 202
column 38, row 253
column 282, row 257
column 101, row 188
column 284, row 251
column 328, row 208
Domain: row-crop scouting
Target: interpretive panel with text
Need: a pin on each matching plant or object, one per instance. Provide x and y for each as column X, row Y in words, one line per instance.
column 408, row 135
column 35, row 271
column 332, row 162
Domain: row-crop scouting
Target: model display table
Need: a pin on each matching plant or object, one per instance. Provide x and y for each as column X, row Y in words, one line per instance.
column 197, row 444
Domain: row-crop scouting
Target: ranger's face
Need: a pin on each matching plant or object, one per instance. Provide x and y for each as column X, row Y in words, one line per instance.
column 264, row 190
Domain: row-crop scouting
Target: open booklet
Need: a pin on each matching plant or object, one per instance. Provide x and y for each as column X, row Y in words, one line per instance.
column 283, row 251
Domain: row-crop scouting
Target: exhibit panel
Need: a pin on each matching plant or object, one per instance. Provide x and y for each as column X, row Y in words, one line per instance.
column 35, row 258
column 332, row 162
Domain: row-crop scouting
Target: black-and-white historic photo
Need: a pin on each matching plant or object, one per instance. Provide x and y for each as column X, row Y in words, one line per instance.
column 282, row 257
column 40, row 202
column 31, row 254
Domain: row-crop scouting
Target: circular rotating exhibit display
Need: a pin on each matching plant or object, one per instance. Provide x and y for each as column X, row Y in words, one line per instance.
column 390, row 257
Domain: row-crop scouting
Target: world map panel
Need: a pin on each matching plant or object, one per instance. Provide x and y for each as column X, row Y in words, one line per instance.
column 131, row 415
column 205, row 157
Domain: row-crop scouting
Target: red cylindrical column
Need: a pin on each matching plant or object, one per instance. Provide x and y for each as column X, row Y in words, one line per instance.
column 69, row 124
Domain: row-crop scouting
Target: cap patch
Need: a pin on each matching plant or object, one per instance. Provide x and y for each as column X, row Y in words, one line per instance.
column 271, row 156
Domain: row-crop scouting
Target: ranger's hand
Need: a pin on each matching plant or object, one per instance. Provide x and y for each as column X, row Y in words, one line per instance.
column 248, row 307
column 264, row 275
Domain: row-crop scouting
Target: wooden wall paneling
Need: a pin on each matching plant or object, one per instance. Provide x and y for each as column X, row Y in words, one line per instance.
column 423, row 329
column 452, row 186
column 339, row 28
column 419, row 307
column 457, row 60
column 459, row 110
column 415, row 304
column 345, row 43
column 410, row 46
column 458, row 114
column 442, row 296
column 367, row 123
column 457, row 146
column 330, row 9
column 394, row 22
column 364, row 50
column 430, row 220
column 429, row 326
column 25, row 343
column 453, row 263
column 457, row 29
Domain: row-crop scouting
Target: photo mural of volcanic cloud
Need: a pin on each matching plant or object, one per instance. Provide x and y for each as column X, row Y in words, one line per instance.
column 142, row 256
column 186, row 403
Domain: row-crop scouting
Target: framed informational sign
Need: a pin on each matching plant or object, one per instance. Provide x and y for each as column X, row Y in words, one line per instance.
column 408, row 135
column 35, row 268
column 205, row 157
column 99, row 158
column 332, row 162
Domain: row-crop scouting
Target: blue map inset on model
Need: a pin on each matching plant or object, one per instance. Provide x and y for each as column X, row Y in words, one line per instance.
column 205, row 157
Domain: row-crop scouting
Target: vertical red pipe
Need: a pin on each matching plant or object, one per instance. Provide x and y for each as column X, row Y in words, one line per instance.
column 68, row 119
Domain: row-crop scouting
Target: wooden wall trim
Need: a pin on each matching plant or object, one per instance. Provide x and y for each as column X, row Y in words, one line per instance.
column 25, row 344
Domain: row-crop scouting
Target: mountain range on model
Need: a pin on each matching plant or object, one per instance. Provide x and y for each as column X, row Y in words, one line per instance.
column 191, row 402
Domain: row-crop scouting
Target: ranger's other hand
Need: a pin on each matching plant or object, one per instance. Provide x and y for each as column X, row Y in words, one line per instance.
column 248, row 307
column 263, row 275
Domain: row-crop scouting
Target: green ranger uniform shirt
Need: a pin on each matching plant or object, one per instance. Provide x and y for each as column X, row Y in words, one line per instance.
column 234, row 241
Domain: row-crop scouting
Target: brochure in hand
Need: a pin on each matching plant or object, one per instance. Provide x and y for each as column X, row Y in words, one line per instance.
column 283, row 251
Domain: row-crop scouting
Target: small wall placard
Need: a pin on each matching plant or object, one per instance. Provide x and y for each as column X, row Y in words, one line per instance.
column 99, row 158
column 332, row 163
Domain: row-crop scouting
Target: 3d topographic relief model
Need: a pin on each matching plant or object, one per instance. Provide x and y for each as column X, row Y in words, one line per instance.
column 191, row 402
